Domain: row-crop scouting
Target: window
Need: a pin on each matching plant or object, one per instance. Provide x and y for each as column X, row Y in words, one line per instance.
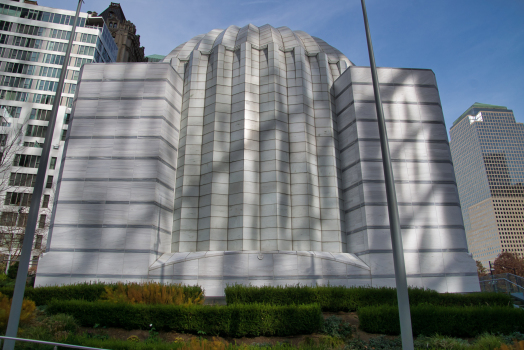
column 35, row 144
column 67, row 117
column 50, row 72
column 45, row 202
column 55, row 46
column 3, row 139
column 20, row 55
column 70, row 88
column 21, row 179
column 14, row 95
column 13, row 111
column 44, row 99
column 49, row 183
column 36, row 130
column 20, row 68
column 46, row 85
column 16, row 82
column 18, row 199
column 22, row 219
column 41, row 222
column 79, row 62
column 40, row 114
column 63, row 136
column 52, row 164
column 26, row 160
column 66, row 101
column 8, row 219
column 38, row 243
column 5, row 26
column 53, row 59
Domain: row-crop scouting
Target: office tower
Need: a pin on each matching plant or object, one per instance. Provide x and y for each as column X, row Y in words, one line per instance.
column 251, row 155
column 124, row 33
column 33, row 41
column 487, row 146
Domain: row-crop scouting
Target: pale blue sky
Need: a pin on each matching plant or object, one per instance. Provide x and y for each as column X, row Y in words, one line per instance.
column 475, row 47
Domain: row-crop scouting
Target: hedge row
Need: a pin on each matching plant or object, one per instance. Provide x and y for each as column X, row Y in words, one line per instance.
column 454, row 321
column 81, row 291
column 339, row 298
column 233, row 321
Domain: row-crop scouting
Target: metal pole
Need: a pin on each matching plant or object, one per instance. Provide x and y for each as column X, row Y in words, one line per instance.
column 394, row 221
column 25, row 257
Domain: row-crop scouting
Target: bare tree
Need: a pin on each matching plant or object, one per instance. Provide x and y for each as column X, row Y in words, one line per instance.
column 16, row 188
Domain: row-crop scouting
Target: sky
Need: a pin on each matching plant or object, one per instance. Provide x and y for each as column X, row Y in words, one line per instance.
column 475, row 47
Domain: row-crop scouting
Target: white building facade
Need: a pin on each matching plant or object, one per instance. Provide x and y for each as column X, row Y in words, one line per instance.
column 251, row 155
column 33, row 41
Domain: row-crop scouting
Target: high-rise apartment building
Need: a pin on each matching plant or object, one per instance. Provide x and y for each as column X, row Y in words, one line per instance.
column 487, row 147
column 33, row 41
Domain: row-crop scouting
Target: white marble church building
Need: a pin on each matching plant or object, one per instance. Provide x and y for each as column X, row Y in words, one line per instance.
column 251, row 155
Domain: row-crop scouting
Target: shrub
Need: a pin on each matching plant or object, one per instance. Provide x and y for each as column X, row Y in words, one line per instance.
column 377, row 343
column 488, row 341
column 41, row 295
column 53, row 328
column 80, row 291
column 467, row 321
column 516, row 346
column 235, row 320
column 12, row 271
column 511, row 338
column 27, row 314
column 440, row 342
column 151, row 293
column 60, row 323
column 335, row 327
column 340, row 298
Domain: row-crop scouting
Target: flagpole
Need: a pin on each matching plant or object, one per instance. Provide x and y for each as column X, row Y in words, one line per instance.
column 394, row 220
column 23, row 267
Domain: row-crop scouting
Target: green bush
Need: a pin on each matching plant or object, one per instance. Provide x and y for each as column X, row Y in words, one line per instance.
column 235, row 320
column 80, row 291
column 339, row 298
column 12, row 271
column 468, row 321
column 335, row 327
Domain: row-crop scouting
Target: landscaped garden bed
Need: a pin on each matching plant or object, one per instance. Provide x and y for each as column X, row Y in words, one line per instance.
column 155, row 316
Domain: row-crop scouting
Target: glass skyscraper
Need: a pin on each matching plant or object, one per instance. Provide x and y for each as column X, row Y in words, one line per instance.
column 487, row 147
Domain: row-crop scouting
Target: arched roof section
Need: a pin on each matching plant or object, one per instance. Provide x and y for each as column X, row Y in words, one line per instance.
column 249, row 33
column 268, row 34
column 258, row 36
column 332, row 53
column 309, row 43
column 227, row 37
column 288, row 38
column 206, row 43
